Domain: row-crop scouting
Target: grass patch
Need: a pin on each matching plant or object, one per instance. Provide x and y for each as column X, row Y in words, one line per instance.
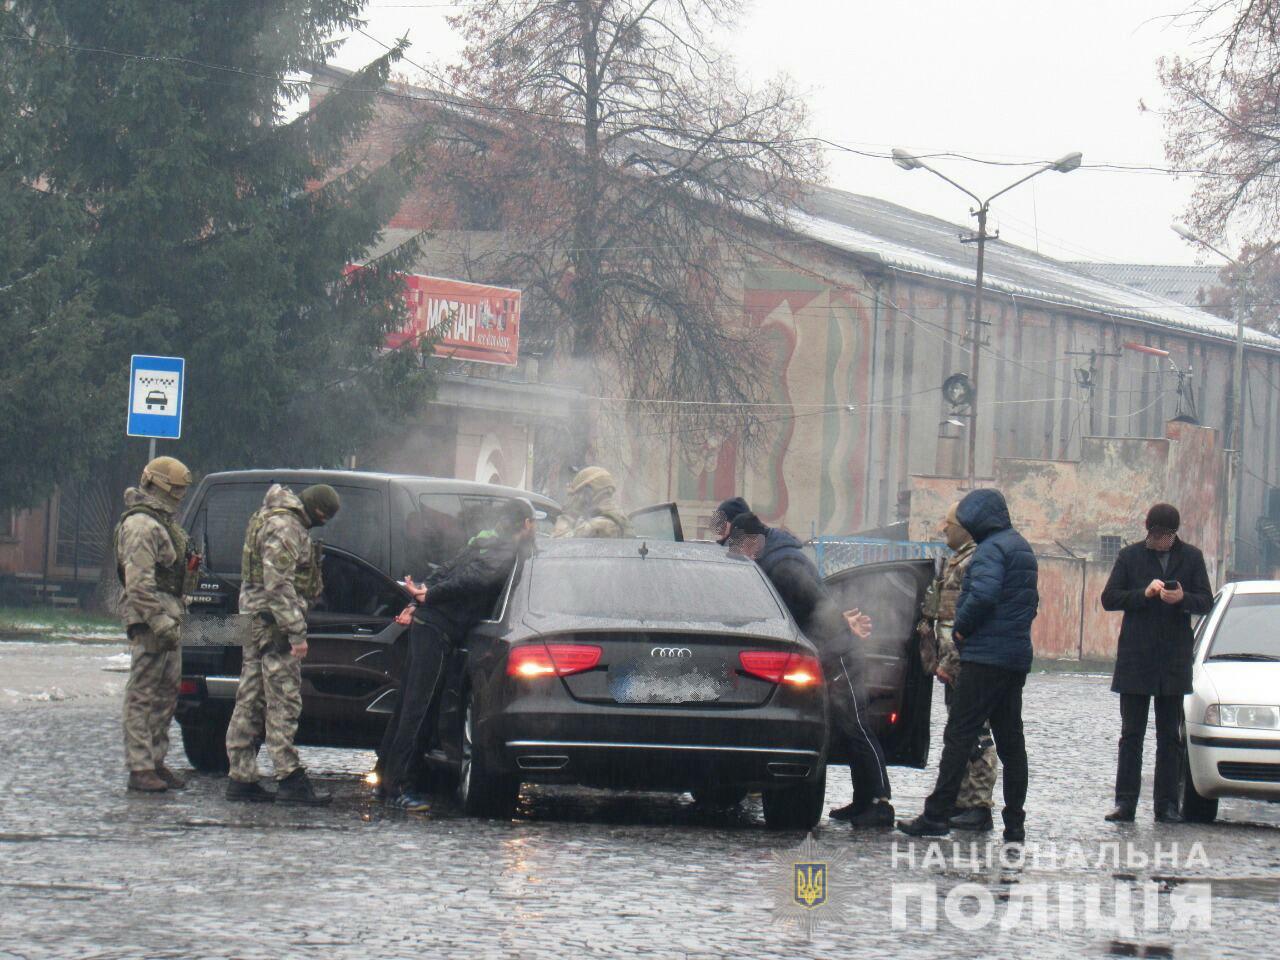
column 44, row 620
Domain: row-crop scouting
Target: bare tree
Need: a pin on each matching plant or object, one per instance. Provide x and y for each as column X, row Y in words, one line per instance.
column 628, row 155
column 1223, row 121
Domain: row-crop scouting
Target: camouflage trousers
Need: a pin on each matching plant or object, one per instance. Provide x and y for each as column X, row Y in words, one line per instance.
column 150, row 697
column 979, row 784
column 268, row 705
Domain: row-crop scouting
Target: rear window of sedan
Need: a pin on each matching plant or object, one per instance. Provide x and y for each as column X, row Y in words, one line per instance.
column 650, row 589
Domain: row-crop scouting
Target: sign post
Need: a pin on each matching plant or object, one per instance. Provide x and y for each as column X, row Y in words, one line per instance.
column 156, row 387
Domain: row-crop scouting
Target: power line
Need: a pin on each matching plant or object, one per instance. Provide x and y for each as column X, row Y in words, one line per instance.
column 440, row 100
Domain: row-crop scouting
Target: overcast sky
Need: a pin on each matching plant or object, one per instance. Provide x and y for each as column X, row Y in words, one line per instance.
column 992, row 79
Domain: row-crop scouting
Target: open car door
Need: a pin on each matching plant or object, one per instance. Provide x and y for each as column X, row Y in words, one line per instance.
column 347, row 690
column 900, row 692
column 661, row 521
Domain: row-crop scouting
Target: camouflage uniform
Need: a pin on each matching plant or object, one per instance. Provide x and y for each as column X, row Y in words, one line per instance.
column 938, row 651
column 151, row 559
column 602, row 520
column 280, row 576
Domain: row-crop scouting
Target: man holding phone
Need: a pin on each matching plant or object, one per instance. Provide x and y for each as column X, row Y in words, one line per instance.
column 1159, row 583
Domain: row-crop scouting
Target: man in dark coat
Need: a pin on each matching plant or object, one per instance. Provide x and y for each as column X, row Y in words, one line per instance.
column 796, row 579
column 1159, row 583
column 998, row 601
column 453, row 600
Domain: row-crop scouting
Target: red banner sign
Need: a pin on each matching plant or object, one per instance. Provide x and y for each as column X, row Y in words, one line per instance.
column 481, row 323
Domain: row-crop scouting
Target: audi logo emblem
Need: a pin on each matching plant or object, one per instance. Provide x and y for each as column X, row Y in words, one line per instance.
column 671, row 653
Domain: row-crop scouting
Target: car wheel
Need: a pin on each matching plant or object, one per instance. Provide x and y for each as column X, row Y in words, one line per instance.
column 1195, row 808
column 205, row 741
column 718, row 797
column 482, row 792
column 797, row 807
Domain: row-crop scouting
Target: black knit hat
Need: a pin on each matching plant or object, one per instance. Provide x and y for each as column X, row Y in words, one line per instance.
column 1163, row 518
column 730, row 510
column 747, row 524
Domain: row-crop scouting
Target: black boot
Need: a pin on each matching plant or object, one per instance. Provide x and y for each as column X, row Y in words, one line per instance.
column 972, row 818
column 923, row 826
column 1123, row 812
column 1168, row 813
column 297, row 788
column 847, row 812
column 249, row 792
column 879, row 813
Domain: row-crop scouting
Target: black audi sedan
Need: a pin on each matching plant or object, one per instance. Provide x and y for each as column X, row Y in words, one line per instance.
column 638, row 664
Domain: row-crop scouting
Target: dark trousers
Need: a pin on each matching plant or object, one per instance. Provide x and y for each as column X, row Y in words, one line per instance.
column 983, row 694
column 1134, row 710
column 850, row 723
column 405, row 740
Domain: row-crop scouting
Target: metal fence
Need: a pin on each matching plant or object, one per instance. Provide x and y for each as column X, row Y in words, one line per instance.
column 834, row 554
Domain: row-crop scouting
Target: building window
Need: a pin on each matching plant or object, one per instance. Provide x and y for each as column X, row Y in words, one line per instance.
column 1109, row 548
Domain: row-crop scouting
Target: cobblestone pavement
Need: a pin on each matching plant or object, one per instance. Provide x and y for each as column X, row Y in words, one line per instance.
column 89, row 871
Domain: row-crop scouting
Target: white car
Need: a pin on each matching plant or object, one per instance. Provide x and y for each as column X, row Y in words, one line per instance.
column 1233, row 711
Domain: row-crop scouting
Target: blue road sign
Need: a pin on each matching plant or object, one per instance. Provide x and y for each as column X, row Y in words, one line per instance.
column 155, row 396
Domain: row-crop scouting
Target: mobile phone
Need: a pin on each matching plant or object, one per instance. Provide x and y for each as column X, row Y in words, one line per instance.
column 1171, row 585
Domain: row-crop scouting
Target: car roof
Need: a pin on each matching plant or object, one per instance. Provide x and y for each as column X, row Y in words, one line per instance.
column 375, row 478
column 1256, row 586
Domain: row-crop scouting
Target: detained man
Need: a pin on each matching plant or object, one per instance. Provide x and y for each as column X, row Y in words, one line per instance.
column 452, row 601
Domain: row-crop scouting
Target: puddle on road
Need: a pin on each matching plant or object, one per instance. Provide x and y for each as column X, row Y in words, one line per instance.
column 1123, row 948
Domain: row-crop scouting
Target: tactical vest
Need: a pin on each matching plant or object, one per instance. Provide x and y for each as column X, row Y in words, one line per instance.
column 306, row 577
column 625, row 530
column 169, row 579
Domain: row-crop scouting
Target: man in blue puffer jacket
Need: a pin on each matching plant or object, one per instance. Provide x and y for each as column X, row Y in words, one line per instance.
column 997, row 603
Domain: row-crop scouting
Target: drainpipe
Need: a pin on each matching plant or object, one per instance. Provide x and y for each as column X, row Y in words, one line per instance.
column 1084, row 587
column 48, row 515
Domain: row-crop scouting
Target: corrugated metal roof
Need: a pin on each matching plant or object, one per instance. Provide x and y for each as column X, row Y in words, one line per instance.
column 1187, row 284
column 913, row 242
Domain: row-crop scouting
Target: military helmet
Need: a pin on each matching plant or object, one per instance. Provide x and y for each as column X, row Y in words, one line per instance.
column 165, row 473
column 320, row 497
column 596, row 479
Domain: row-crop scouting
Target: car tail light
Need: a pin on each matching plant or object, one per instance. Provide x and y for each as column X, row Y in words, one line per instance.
column 188, row 688
column 802, row 671
column 558, row 659
column 779, row 666
column 893, row 718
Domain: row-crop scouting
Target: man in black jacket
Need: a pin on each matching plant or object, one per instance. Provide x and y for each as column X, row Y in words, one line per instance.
column 1159, row 583
column 797, row 581
column 451, row 602
column 998, row 601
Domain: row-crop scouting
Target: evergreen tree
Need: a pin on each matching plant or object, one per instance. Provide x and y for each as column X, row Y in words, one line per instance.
column 160, row 197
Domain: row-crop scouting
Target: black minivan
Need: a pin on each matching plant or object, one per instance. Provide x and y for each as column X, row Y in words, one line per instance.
column 389, row 525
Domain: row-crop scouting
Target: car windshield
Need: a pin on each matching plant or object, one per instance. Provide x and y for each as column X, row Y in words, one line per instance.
column 1249, row 629
column 652, row 589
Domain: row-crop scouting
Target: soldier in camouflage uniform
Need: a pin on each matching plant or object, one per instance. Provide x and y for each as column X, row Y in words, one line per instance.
column 941, row 657
column 155, row 567
column 591, row 510
column 280, row 578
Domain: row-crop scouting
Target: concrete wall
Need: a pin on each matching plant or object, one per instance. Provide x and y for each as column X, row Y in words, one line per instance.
column 1064, row 508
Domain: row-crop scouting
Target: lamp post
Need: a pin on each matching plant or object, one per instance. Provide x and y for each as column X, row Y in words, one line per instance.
column 908, row 161
column 1243, row 269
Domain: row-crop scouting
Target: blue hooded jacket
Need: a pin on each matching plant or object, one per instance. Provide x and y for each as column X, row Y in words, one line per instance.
column 797, row 581
column 999, row 597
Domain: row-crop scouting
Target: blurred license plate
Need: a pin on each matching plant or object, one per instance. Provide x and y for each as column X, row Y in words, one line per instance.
column 682, row 682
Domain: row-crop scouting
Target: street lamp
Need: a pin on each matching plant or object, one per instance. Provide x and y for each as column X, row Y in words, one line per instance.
column 909, row 161
column 1243, row 270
